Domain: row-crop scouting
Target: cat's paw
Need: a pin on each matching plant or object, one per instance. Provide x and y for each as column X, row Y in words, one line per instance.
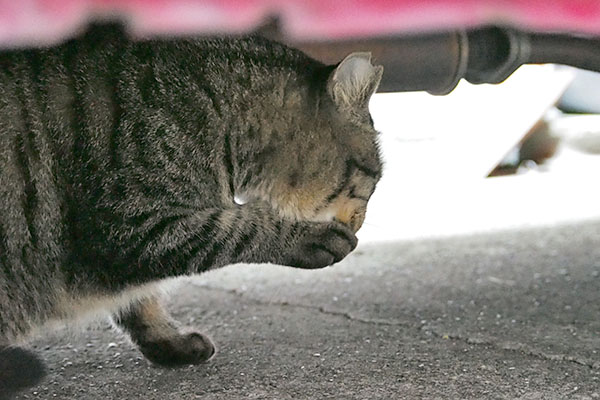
column 183, row 349
column 323, row 244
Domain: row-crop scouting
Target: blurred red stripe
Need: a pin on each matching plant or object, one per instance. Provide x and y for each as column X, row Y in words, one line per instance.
column 26, row 22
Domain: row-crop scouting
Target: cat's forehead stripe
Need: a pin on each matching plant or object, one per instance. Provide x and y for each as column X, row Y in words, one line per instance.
column 364, row 169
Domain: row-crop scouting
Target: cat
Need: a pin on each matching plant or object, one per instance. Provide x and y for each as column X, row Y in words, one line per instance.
column 121, row 162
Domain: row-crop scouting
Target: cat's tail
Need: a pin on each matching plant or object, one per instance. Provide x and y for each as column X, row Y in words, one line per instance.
column 19, row 369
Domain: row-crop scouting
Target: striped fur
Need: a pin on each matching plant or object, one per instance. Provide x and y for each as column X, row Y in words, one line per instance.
column 120, row 161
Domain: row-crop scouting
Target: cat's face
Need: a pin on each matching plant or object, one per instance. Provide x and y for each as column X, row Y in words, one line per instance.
column 342, row 192
column 332, row 162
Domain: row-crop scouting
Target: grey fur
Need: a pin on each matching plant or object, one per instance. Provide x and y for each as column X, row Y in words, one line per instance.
column 120, row 160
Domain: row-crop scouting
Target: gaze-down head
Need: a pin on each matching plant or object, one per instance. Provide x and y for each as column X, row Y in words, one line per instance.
column 333, row 161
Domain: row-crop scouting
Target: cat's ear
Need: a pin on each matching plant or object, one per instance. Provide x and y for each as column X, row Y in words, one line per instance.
column 354, row 81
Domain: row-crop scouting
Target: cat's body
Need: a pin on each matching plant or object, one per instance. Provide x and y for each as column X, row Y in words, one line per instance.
column 120, row 161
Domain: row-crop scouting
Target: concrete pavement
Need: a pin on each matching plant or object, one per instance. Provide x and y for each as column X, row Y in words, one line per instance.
column 508, row 315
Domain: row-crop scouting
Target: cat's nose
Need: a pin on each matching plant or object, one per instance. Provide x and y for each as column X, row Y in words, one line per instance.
column 357, row 221
column 354, row 218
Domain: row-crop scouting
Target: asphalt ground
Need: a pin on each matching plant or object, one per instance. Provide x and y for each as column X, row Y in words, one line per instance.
column 506, row 315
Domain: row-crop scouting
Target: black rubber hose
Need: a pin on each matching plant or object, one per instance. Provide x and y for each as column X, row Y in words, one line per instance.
column 577, row 51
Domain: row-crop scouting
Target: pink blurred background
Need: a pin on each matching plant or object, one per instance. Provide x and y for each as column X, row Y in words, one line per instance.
column 30, row 22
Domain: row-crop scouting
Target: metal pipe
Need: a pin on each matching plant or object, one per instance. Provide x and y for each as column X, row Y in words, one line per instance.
column 577, row 51
column 434, row 62
column 437, row 62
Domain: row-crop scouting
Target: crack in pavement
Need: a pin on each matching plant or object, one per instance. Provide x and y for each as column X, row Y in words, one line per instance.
column 516, row 347
column 320, row 309
column 504, row 346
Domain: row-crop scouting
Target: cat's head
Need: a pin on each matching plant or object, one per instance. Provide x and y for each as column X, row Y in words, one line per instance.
column 329, row 162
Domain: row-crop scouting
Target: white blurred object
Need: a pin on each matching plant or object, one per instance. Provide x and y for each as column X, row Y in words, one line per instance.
column 580, row 132
column 438, row 151
column 583, row 95
column 466, row 134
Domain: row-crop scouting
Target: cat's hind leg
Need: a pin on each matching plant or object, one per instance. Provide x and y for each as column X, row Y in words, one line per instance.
column 158, row 338
column 19, row 369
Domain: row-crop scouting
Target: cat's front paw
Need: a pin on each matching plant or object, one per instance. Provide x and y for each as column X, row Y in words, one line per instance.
column 323, row 244
column 182, row 349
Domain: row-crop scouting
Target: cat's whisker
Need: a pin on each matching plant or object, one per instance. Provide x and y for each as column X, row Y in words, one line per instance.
column 370, row 224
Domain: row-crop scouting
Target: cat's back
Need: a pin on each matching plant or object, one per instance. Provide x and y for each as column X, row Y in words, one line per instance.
column 70, row 121
column 31, row 206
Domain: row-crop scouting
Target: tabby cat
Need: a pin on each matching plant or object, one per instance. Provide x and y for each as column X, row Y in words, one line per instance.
column 123, row 163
